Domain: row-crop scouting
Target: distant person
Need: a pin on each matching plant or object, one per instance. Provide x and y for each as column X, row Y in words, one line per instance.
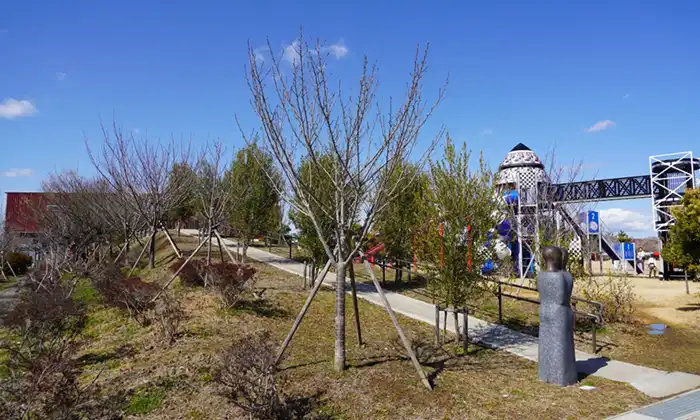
column 651, row 265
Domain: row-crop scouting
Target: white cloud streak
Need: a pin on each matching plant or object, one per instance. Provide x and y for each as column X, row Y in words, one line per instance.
column 487, row 131
column 14, row 172
column 600, row 126
column 60, row 76
column 291, row 51
column 11, row 108
column 338, row 50
column 617, row 219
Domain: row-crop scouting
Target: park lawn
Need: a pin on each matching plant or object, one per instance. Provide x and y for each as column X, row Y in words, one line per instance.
column 149, row 379
column 625, row 342
column 11, row 281
column 678, row 349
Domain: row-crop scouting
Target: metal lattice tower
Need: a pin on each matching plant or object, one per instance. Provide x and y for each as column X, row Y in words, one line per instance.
column 671, row 174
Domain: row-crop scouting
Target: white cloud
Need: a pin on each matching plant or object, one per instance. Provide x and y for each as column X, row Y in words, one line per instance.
column 12, row 108
column 617, row 219
column 626, row 95
column 136, row 131
column 14, row 172
column 600, row 126
column 258, row 53
column 60, row 76
column 291, row 53
column 338, row 49
column 487, row 132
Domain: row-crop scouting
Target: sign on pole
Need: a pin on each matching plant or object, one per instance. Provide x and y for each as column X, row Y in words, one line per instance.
column 628, row 251
column 593, row 225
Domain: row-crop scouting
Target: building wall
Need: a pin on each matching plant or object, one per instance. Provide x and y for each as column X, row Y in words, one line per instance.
column 23, row 211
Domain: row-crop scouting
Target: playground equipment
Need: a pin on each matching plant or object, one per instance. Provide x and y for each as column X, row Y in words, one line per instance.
column 533, row 198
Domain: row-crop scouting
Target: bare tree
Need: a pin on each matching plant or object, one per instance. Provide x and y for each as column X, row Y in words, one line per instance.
column 302, row 117
column 212, row 195
column 140, row 170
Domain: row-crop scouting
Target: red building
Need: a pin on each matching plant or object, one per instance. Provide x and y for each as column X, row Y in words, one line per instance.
column 23, row 212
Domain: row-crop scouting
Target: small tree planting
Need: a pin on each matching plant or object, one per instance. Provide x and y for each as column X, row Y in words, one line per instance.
column 457, row 249
column 303, row 116
column 254, row 181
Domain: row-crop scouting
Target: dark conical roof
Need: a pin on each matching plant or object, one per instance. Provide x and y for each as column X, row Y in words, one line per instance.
column 520, row 147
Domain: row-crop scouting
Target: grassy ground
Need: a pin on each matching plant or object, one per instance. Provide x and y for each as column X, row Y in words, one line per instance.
column 151, row 379
column 630, row 343
column 625, row 342
column 11, row 281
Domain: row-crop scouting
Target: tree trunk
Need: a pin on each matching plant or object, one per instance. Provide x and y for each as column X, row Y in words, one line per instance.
column 178, row 225
column 245, row 251
column 339, row 315
column 152, row 251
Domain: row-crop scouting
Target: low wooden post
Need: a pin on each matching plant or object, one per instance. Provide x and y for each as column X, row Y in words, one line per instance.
column 594, row 343
column 500, row 303
column 465, row 330
column 290, row 249
column 384, row 272
column 437, row 325
column 306, row 267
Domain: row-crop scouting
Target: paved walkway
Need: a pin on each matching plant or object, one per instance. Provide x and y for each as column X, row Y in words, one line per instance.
column 653, row 382
column 682, row 407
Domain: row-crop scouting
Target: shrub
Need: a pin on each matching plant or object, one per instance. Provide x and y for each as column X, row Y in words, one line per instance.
column 19, row 262
column 131, row 294
column 616, row 295
column 169, row 315
column 246, row 374
column 230, row 281
column 48, row 311
column 43, row 380
column 192, row 274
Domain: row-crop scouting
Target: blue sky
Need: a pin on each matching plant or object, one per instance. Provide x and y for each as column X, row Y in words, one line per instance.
column 541, row 74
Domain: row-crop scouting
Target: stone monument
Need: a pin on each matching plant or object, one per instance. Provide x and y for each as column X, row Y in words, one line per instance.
column 556, row 357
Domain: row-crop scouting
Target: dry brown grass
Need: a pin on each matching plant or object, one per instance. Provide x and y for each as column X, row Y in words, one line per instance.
column 163, row 381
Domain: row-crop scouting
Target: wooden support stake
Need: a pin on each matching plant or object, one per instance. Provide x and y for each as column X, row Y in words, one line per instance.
column 355, row 305
column 392, row 315
column 165, row 286
column 138, row 260
column 228, row 251
column 300, row 317
column 170, row 239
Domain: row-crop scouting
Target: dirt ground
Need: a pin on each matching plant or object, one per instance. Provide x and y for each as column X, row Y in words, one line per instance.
column 668, row 300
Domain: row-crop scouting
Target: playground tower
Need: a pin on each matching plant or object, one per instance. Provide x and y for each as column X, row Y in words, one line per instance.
column 521, row 178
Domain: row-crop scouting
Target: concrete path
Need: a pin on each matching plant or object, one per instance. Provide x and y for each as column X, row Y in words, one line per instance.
column 652, row 382
column 682, row 407
column 8, row 299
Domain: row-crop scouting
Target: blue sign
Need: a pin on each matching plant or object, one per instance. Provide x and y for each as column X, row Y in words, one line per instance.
column 628, row 251
column 618, row 248
column 593, row 226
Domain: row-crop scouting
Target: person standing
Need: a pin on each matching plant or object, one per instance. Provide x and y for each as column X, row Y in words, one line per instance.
column 651, row 266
